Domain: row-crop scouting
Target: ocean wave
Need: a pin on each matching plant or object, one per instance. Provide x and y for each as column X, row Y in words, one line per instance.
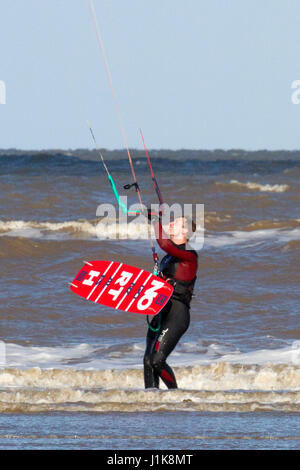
column 108, row 229
column 273, row 224
column 250, row 237
column 26, row 234
column 275, row 188
column 74, row 379
column 72, row 228
column 19, row 227
column 216, row 376
column 215, row 387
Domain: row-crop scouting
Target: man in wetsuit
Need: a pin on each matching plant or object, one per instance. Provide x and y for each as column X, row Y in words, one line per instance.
column 179, row 267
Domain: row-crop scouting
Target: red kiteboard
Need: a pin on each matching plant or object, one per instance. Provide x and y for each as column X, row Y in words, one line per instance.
column 122, row 287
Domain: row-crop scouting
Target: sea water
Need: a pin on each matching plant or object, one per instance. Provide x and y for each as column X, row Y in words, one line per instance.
column 71, row 372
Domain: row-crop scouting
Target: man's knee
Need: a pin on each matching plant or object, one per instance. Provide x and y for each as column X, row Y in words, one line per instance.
column 157, row 361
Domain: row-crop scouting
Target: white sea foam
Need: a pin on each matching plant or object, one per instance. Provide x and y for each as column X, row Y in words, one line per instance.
column 250, row 238
column 106, row 356
column 71, row 229
column 76, row 230
column 83, row 229
column 274, row 188
column 71, row 379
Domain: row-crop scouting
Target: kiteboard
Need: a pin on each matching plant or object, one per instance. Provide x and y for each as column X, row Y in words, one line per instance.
column 122, row 287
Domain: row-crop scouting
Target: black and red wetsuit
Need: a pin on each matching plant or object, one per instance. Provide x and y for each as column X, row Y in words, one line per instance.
column 179, row 266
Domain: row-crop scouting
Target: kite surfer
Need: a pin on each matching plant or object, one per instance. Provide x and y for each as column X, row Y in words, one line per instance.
column 179, row 268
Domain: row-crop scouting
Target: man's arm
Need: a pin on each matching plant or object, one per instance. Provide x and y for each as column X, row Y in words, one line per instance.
column 168, row 246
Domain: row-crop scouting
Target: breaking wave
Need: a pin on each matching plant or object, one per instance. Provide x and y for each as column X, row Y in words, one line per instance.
column 71, row 229
column 85, row 229
column 216, row 387
column 21, row 237
column 275, row 188
column 255, row 381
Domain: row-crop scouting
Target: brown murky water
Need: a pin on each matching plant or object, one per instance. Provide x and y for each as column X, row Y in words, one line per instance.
column 61, row 354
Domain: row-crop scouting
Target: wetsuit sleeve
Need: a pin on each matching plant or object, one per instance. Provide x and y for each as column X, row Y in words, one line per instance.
column 169, row 247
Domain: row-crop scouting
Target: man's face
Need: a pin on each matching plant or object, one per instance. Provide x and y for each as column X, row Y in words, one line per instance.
column 178, row 228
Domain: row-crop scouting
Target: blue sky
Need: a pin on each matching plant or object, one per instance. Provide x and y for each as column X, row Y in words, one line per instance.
column 197, row 74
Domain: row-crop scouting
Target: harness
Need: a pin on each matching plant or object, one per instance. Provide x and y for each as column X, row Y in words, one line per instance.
column 183, row 290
